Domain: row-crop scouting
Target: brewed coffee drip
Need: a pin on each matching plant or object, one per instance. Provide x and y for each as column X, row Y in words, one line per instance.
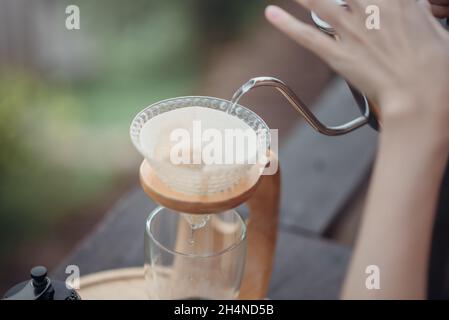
column 196, row 221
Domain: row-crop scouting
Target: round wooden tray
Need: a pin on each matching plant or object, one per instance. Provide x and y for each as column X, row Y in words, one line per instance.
column 118, row 284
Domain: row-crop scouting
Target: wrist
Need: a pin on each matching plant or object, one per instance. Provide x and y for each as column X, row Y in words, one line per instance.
column 416, row 123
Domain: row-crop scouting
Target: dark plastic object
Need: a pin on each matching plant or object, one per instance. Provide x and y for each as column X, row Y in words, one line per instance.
column 41, row 287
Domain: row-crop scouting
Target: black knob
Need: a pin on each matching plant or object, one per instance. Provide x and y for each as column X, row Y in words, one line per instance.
column 40, row 287
column 39, row 276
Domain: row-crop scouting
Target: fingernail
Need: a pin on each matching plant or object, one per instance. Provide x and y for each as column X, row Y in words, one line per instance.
column 273, row 12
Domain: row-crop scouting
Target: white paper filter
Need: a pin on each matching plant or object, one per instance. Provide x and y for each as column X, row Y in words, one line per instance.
column 158, row 140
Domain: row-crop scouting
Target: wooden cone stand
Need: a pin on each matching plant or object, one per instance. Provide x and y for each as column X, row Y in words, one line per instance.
column 262, row 196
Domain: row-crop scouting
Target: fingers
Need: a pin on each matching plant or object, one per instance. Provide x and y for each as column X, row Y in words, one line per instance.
column 355, row 6
column 306, row 35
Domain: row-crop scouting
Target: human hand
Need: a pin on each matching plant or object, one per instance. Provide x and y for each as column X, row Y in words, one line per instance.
column 403, row 67
column 440, row 8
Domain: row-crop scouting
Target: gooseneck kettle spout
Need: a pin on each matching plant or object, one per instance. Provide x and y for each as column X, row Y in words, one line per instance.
column 304, row 110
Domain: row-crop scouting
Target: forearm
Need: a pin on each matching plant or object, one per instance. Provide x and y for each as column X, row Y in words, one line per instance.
column 407, row 56
column 397, row 225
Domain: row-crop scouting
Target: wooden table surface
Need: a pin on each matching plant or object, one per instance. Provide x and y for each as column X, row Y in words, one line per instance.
column 320, row 175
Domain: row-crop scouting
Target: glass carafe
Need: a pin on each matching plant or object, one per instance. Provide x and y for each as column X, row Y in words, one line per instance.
column 199, row 259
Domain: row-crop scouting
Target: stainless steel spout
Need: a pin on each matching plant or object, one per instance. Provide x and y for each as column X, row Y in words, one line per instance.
column 304, row 110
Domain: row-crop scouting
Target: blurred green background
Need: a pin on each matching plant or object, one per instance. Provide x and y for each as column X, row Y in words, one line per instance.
column 67, row 99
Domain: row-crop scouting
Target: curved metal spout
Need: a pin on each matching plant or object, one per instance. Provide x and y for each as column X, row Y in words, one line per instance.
column 303, row 109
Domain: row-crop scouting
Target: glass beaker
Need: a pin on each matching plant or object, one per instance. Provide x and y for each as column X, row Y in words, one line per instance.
column 194, row 256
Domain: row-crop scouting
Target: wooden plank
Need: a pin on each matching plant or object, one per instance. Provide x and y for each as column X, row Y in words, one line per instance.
column 307, row 268
column 321, row 173
column 117, row 242
column 344, row 230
